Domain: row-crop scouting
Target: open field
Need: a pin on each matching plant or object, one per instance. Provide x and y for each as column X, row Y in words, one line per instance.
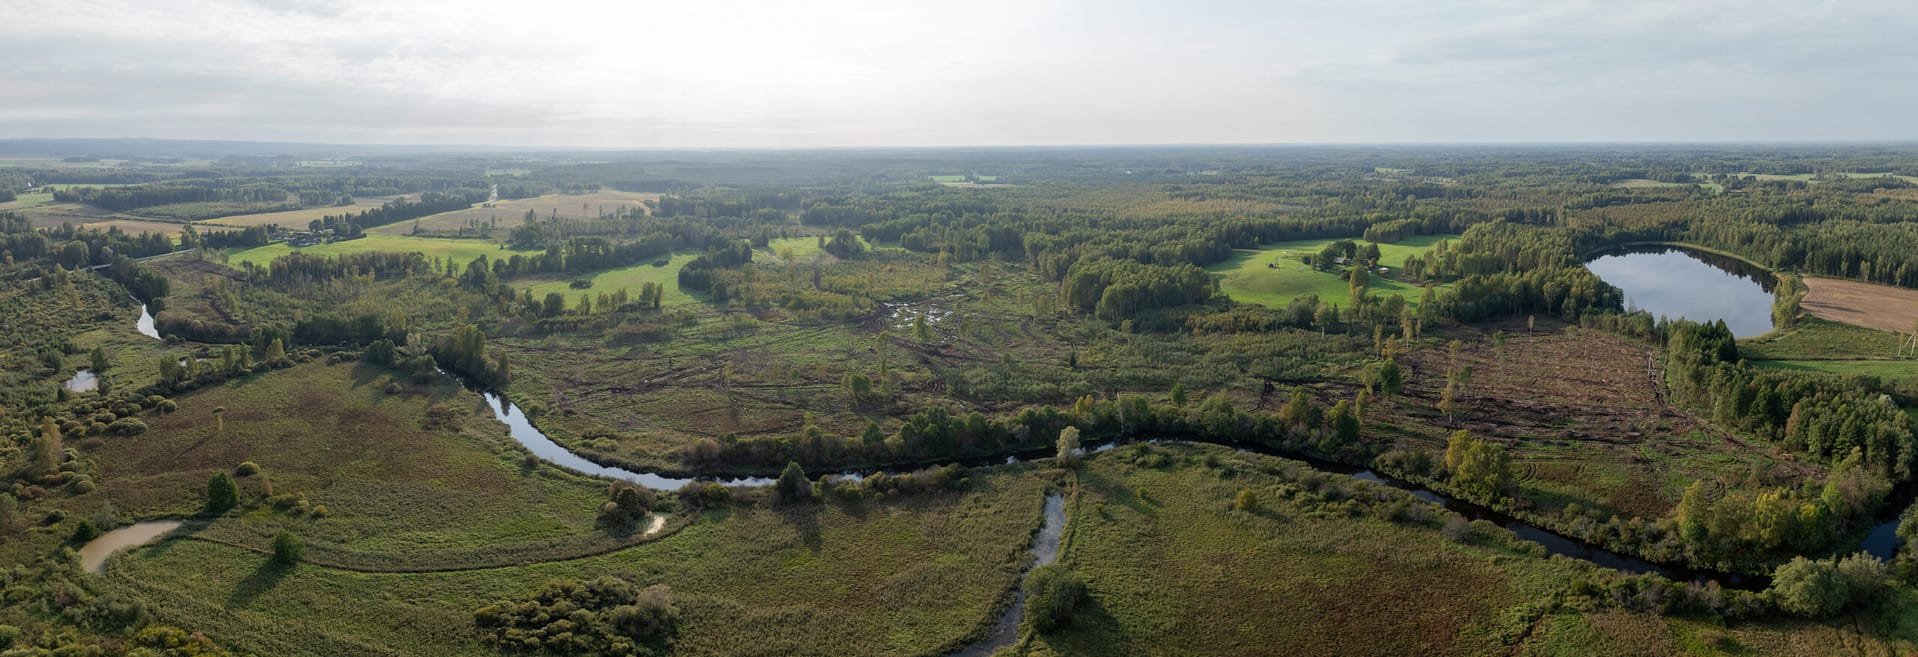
column 1904, row 373
column 1172, row 568
column 903, row 576
column 24, row 201
column 461, row 251
column 1273, row 275
column 512, row 213
column 403, row 487
column 1869, row 305
column 630, row 278
column 1814, row 338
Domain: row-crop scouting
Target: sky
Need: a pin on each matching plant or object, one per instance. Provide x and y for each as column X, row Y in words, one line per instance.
column 840, row 73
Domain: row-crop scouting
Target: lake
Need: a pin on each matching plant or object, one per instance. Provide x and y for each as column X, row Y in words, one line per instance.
column 1673, row 282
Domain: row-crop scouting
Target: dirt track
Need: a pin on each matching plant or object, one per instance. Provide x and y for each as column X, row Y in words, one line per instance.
column 1869, row 305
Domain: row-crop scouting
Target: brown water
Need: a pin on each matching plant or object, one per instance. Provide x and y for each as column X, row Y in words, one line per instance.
column 93, row 555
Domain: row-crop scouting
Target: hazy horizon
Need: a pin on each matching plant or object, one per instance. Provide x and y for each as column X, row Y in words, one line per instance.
column 856, row 74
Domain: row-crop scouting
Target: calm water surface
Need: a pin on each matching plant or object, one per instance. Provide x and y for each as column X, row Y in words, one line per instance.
column 93, row 555
column 1701, row 287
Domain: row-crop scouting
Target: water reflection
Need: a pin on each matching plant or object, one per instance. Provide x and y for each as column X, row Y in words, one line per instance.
column 1701, row 287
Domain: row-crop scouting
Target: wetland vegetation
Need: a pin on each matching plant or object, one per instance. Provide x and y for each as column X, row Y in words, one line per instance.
column 824, row 403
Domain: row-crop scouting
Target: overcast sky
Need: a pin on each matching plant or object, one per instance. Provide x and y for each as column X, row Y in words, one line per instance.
column 797, row 73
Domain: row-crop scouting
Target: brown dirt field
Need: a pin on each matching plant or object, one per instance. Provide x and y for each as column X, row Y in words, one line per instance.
column 1869, row 305
column 1582, row 415
column 510, row 213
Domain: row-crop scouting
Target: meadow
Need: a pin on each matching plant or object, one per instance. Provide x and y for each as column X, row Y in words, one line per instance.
column 630, row 278
column 412, row 475
column 912, row 575
column 1274, row 274
column 1172, row 562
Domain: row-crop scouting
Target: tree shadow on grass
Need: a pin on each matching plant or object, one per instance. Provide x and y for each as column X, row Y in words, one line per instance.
column 1091, row 630
column 262, row 581
column 804, row 517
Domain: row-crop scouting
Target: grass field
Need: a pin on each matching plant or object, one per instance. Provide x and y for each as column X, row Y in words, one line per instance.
column 905, row 576
column 512, row 213
column 631, row 278
column 24, row 201
column 1881, row 307
column 462, row 251
column 403, row 489
column 1247, row 278
column 1171, row 568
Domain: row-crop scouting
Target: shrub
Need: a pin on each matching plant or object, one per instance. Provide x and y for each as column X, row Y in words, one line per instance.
column 793, row 485
column 1247, row 501
column 1810, row 589
column 221, row 493
column 1052, row 593
column 286, row 549
column 604, row 616
column 1457, row 528
column 85, row 531
column 247, row 469
column 625, row 505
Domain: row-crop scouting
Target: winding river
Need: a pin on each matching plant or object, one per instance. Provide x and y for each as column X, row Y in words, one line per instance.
column 1045, row 551
column 523, row 431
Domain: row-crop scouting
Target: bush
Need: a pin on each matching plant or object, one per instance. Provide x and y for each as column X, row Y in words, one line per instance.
column 1866, row 580
column 1457, row 528
column 1247, row 501
column 85, row 531
column 247, row 469
column 793, row 485
column 221, row 493
column 626, row 504
column 604, row 616
column 286, row 549
column 1052, row 592
column 1809, row 589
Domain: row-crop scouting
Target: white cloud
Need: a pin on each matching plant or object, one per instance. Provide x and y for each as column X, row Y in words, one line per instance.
column 859, row 72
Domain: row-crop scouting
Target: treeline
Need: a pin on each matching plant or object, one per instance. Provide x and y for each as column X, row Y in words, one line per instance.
column 303, row 269
column 226, row 239
column 936, row 434
column 716, row 271
column 1116, row 289
column 397, row 210
column 1828, row 419
column 134, row 197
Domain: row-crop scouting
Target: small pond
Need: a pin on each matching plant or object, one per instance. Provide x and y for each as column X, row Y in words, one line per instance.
column 83, row 381
column 145, row 324
column 1674, row 282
